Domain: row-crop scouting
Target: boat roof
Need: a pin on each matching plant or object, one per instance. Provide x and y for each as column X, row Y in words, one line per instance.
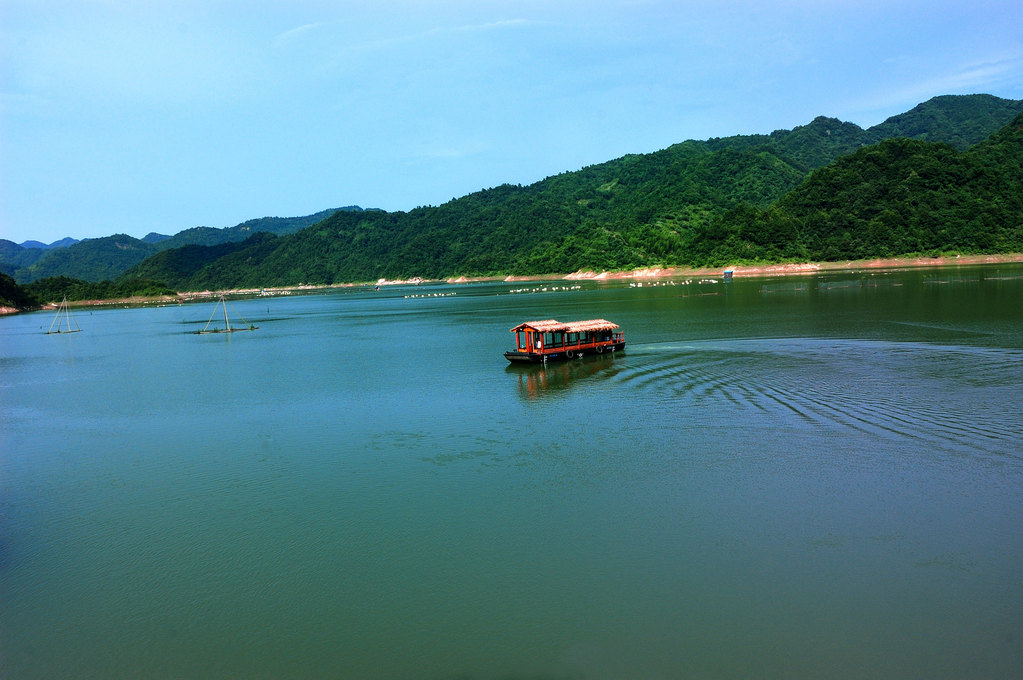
column 553, row 325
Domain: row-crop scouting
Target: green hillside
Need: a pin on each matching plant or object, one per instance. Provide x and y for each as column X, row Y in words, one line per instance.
column 615, row 215
column 191, row 263
column 208, row 236
column 54, row 289
column 14, row 257
column 959, row 120
column 899, row 197
column 745, row 198
column 12, row 295
column 93, row 259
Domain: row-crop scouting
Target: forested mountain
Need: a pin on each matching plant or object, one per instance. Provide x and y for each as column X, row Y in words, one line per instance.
column 93, row 259
column 743, row 198
column 109, row 257
column 899, row 197
column 208, row 236
column 734, row 199
column 188, row 262
column 14, row 256
column 62, row 243
column 961, row 121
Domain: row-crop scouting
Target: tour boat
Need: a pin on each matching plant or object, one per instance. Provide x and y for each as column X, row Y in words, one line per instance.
column 552, row 340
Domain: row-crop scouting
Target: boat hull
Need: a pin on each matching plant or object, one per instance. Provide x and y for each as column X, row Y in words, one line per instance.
column 564, row 355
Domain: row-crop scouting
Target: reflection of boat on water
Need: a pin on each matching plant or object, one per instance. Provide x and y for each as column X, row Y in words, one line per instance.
column 63, row 316
column 552, row 340
column 222, row 304
column 536, row 381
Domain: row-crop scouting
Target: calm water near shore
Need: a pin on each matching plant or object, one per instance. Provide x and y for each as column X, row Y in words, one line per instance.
column 803, row 477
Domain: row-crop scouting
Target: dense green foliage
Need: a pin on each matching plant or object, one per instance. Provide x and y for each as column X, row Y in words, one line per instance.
column 56, row 288
column 13, row 295
column 900, row 197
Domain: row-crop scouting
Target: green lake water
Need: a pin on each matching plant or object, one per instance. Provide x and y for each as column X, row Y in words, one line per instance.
column 802, row 477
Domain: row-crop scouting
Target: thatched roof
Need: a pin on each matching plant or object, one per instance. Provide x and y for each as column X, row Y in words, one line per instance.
column 553, row 325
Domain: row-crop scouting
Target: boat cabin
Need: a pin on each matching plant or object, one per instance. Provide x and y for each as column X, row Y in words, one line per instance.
column 550, row 339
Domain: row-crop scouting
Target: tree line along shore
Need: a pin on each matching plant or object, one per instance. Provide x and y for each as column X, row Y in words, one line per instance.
column 740, row 271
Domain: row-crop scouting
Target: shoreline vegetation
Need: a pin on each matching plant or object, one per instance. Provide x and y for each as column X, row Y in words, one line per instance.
column 738, row 271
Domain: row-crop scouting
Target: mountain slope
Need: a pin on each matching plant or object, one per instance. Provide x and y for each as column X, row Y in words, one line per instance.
column 14, row 257
column 899, row 197
column 188, row 263
column 94, row 259
column 673, row 206
column 959, row 120
column 692, row 202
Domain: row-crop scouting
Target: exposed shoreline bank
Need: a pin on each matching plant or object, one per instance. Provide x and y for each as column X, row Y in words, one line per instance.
column 739, row 271
column 755, row 271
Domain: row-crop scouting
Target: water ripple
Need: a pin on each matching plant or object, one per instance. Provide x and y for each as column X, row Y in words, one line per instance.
column 947, row 395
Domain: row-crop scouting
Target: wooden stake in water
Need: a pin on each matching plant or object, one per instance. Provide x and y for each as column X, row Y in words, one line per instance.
column 67, row 318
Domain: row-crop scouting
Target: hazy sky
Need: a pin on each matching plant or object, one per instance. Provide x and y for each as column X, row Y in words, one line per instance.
column 140, row 116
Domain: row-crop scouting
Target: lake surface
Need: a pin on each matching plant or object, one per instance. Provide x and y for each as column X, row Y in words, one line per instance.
column 813, row 477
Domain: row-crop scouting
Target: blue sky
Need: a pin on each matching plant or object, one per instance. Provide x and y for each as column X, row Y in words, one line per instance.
column 134, row 117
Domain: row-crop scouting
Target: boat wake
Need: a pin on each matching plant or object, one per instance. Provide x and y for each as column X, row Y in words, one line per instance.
column 951, row 396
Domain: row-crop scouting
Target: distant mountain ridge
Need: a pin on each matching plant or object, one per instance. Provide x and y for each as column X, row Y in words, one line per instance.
column 108, row 257
column 656, row 209
column 62, row 243
column 691, row 203
column 959, row 120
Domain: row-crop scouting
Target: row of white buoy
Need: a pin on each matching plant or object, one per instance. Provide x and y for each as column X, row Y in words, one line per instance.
column 545, row 289
column 650, row 284
column 554, row 289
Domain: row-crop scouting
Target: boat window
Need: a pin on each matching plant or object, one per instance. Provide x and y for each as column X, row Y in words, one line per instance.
column 559, row 339
column 573, row 339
